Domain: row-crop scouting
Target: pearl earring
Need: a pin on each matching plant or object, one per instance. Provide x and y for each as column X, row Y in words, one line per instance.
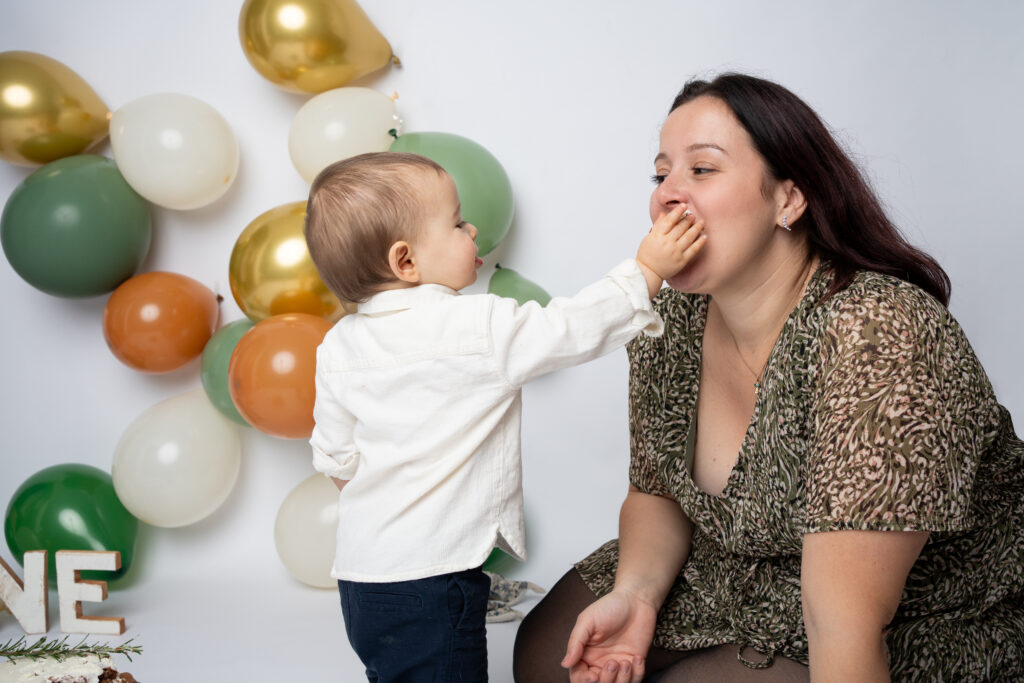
column 785, row 223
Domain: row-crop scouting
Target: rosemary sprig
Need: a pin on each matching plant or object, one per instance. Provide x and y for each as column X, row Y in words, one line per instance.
column 60, row 650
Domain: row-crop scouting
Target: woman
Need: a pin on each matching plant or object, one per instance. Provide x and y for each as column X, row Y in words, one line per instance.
column 822, row 484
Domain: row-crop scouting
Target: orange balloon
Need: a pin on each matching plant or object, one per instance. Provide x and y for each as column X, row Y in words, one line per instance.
column 158, row 322
column 271, row 374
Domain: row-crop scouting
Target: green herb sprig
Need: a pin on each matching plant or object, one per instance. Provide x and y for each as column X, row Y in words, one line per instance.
column 60, row 650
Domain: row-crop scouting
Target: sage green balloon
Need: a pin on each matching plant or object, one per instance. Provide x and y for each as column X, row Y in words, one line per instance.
column 70, row 507
column 214, row 367
column 484, row 188
column 508, row 283
column 75, row 228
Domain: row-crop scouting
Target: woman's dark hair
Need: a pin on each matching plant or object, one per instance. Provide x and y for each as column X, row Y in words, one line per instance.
column 844, row 220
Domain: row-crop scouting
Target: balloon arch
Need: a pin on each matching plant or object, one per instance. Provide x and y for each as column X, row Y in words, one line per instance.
column 79, row 226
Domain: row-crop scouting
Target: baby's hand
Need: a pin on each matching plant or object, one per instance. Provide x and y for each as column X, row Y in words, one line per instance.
column 670, row 245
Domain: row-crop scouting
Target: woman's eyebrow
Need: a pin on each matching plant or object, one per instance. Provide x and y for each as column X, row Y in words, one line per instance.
column 705, row 145
column 697, row 146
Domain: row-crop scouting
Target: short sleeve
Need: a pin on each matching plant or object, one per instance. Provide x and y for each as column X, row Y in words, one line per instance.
column 888, row 449
column 646, row 414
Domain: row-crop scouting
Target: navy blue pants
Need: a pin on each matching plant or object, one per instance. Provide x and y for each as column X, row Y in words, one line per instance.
column 424, row 631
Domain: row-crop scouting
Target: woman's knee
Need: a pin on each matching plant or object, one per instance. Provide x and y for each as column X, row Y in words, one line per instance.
column 544, row 633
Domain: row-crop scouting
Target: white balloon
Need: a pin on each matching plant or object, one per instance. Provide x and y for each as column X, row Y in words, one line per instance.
column 339, row 124
column 305, row 531
column 177, row 462
column 174, row 150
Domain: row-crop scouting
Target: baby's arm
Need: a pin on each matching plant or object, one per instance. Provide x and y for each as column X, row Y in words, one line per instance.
column 670, row 245
column 334, row 450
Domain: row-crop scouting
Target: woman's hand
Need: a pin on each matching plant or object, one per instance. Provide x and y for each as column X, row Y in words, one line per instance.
column 610, row 640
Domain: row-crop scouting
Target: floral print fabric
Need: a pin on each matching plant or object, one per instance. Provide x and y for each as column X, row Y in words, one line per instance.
column 874, row 414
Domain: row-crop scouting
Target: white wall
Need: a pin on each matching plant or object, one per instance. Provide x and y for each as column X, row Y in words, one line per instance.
column 569, row 97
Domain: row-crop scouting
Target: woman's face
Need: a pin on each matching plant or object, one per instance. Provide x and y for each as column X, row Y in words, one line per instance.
column 708, row 161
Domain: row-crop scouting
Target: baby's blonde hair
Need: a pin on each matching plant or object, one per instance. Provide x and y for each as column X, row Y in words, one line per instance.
column 357, row 209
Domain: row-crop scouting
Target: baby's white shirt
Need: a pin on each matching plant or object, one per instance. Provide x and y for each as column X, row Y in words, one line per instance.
column 419, row 405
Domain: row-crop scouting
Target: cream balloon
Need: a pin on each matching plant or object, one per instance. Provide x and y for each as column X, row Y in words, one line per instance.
column 177, row 462
column 339, row 124
column 305, row 531
column 174, row 150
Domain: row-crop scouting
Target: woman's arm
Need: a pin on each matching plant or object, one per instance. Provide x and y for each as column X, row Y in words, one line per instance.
column 654, row 542
column 851, row 583
column 612, row 636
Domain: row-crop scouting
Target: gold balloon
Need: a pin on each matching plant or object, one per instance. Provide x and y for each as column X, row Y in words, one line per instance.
column 272, row 273
column 47, row 112
column 309, row 46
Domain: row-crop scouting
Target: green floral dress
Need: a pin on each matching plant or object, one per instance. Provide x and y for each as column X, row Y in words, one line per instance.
column 874, row 414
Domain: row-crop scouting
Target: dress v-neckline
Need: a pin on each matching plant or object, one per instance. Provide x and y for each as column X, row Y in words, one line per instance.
column 690, row 447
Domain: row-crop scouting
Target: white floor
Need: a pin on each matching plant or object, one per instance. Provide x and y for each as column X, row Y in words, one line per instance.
column 247, row 630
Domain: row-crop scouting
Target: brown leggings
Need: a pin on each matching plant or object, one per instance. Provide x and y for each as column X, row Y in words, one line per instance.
column 544, row 633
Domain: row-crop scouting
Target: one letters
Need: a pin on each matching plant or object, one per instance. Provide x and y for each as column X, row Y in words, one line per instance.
column 28, row 601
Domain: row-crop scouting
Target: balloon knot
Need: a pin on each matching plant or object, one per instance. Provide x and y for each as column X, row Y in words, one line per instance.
column 220, row 299
column 497, row 266
column 396, row 61
column 393, row 133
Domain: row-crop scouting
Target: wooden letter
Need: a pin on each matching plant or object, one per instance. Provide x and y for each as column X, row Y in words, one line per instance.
column 28, row 601
column 72, row 591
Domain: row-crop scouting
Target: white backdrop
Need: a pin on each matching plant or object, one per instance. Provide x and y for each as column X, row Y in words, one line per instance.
column 568, row 95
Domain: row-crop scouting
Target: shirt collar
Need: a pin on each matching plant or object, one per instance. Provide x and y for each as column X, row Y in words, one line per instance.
column 392, row 300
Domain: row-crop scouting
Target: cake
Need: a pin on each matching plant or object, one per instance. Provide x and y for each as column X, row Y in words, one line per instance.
column 77, row 669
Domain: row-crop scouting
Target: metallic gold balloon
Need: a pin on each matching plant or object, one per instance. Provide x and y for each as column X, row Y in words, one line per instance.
column 309, row 46
column 272, row 273
column 47, row 112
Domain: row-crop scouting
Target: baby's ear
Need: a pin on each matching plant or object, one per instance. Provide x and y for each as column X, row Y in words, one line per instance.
column 402, row 263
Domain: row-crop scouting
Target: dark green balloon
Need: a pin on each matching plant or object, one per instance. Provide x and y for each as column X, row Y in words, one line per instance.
column 70, row 507
column 75, row 228
column 214, row 368
column 508, row 283
column 484, row 188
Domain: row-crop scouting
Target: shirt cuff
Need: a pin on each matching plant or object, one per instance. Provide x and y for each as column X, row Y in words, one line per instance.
column 330, row 467
column 630, row 278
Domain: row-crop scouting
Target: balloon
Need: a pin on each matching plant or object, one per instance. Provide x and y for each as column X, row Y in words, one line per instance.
column 177, row 462
column 214, row 368
column 74, row 228
column 47, row 111
column 501, row 562
column 305, row 531
column 272, row 273
column 339, row 124
column 498, row 561
column 158, row 322
column 271, row 374
column 484, row 188
column 508, row 283
column 175, row 150
column 70, row 507
column 309, row 46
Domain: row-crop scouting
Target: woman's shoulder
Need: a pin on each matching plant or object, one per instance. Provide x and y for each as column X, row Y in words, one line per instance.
column 877, row 299
column 679, row 308
column 683, row 315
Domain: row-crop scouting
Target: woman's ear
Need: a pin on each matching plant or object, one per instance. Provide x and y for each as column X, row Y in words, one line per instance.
column 792, row 202
column 402, row 263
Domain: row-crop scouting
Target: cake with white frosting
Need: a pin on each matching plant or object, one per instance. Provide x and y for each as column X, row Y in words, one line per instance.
column 77, row 669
